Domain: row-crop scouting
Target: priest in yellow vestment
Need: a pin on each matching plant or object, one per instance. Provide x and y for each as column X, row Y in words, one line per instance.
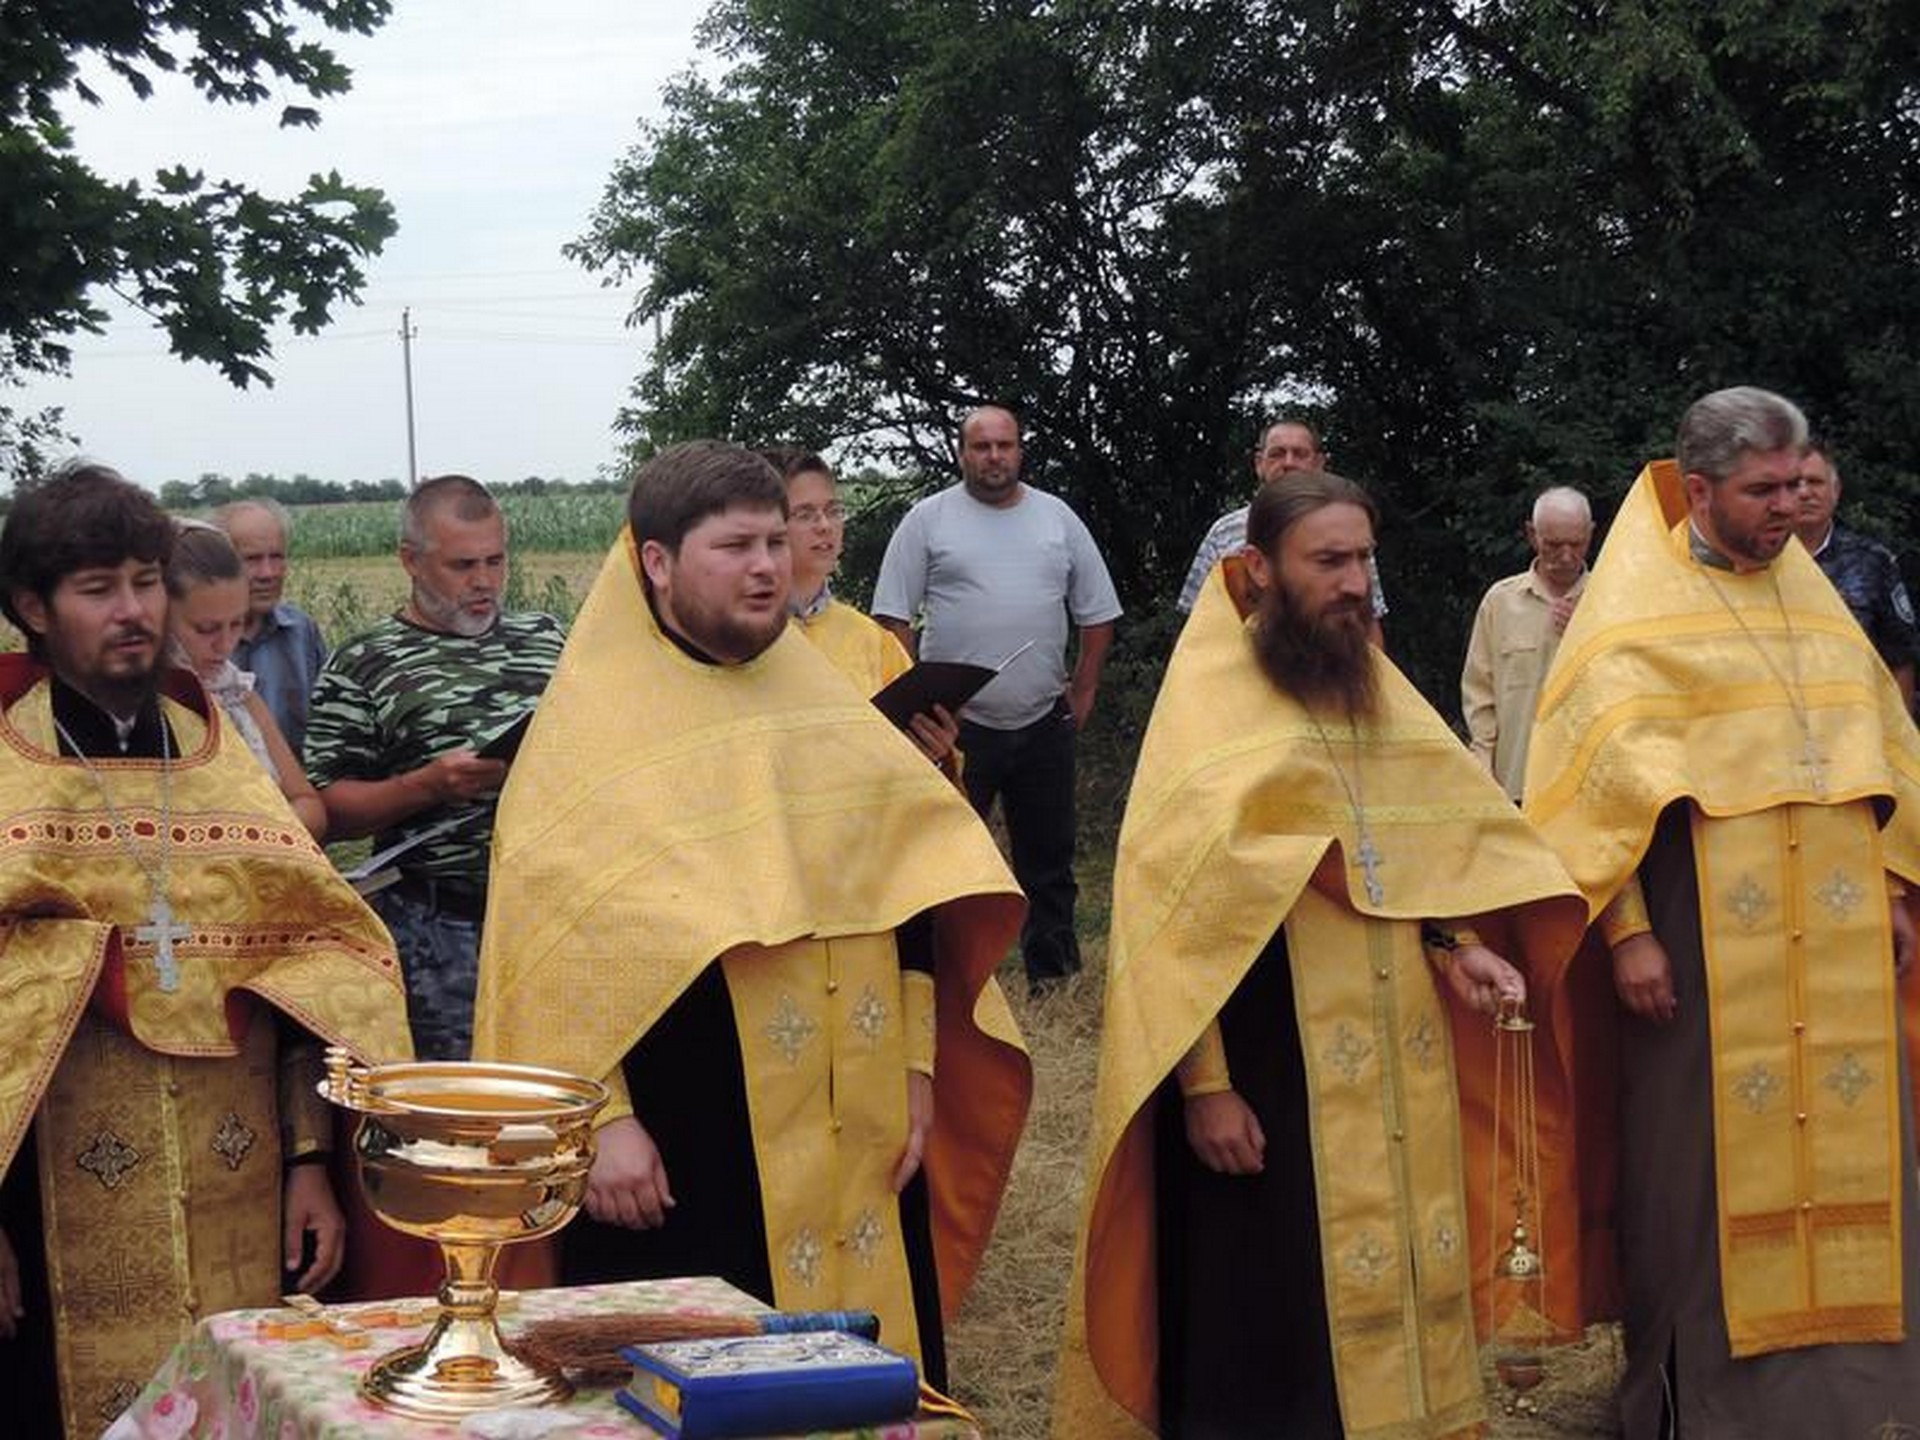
column 175, row 949
column 725, row 884
column 1278, row 1227
column 1728, row 772
column 860, row 647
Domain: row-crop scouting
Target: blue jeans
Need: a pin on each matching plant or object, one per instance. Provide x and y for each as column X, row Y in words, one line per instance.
column 1030, row 771
column 440, row 957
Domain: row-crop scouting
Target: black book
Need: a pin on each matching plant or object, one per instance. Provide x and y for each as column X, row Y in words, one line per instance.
column 504, row 743
column 938, row 682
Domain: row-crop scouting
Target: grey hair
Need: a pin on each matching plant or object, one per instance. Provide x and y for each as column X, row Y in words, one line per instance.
column 282, row 516
column 1818, row 444
column 1564, row 498
column 1719, row 428
column 462, row 496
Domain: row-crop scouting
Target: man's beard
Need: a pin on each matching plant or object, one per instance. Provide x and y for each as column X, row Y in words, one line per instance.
column 1744, row 542
column 723, row 636
column 121, row 693
column 450, row 617
column 122, row 696
column 1324, row 661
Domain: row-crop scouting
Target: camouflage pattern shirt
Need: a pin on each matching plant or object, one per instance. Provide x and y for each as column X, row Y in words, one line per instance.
column 1868, row 579
column 392, row 699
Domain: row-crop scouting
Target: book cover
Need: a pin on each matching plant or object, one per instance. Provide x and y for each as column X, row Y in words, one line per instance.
column 743, row 1385
column 504, row 743
column 938, row 682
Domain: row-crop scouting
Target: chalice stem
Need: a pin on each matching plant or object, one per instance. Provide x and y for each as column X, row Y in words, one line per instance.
column 469, row 1290
column 465, row 1341
column 462, row 1366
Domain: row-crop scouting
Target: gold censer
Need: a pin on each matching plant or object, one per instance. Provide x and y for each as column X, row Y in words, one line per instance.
column 472, row 1156
column 1520, row 1329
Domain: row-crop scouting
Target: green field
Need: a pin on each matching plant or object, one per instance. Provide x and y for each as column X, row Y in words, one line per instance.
column 569, row 520
column 346, row 595
column 344, row 568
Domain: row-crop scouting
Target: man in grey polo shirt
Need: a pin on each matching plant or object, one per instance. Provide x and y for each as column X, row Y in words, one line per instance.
column 990, row 565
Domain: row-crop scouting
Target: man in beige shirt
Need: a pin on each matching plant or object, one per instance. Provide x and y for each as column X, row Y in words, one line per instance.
column 1516, row 631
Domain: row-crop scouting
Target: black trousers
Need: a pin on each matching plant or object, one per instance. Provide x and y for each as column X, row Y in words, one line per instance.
column 27, row 1375
column 1245, row 1350
column 1030, row 771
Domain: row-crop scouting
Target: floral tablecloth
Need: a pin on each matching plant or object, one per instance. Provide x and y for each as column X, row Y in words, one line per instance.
column 230, row 1381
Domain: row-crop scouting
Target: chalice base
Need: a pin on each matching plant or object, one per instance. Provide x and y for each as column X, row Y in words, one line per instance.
column 460, row 1369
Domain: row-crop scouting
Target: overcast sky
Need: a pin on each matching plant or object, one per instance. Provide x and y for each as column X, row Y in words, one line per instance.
column 492, row 126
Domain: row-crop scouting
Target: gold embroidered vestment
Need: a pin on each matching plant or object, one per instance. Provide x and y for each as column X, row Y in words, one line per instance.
column 1236, row 803
column 163, row 1115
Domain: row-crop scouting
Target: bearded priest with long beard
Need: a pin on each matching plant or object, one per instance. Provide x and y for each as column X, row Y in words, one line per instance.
column 1319, row 900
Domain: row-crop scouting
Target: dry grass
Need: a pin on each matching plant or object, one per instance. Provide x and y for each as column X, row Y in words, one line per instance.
column 1003, row 1348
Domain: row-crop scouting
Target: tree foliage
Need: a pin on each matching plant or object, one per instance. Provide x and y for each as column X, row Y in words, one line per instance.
column 214, row 262
column 1488, row 244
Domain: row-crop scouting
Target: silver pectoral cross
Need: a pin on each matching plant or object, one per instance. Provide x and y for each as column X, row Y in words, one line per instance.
column 1370, row 862
column 1814, row 764
column 160, row 931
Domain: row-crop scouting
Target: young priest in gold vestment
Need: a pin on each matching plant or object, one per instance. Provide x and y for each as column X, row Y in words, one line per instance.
column 176, row 949
column 1728, row 771
column 1315, row 888
column 724, row 883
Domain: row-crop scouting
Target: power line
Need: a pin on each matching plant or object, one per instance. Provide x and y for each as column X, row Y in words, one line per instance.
column 430, row 277
column 527, row 338
column 568, row 297
column 489, row 313
column 281, row 343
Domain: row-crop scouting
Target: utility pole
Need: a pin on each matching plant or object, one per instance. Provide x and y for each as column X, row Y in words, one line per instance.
column 407, row 332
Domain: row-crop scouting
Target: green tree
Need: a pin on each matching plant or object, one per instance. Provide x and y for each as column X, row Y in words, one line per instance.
column 882, row 214
column 29, row 443
column 1487, row 247
column 214, row 262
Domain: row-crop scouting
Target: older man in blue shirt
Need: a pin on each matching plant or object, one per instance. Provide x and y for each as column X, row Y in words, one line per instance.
column 282, row 647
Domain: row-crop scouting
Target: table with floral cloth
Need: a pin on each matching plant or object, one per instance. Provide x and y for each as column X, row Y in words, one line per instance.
column 229, row 1381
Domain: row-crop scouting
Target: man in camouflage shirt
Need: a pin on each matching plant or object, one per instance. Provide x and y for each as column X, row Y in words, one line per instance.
column 397, row 716
column 1862, row 570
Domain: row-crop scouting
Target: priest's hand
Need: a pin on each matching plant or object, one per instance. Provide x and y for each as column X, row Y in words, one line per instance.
column 1903, row 937
column 1225, row 1133
column 310, row 1206
column 1643, row 978
column 12, row 1311
column 628, row 1182
column 919, row 1123
column 936, row 732
column 1481, row 980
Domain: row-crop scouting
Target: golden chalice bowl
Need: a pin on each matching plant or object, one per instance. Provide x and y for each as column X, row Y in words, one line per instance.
column 472, row 1156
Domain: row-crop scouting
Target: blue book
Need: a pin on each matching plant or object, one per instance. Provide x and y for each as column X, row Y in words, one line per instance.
column 743, row 1385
